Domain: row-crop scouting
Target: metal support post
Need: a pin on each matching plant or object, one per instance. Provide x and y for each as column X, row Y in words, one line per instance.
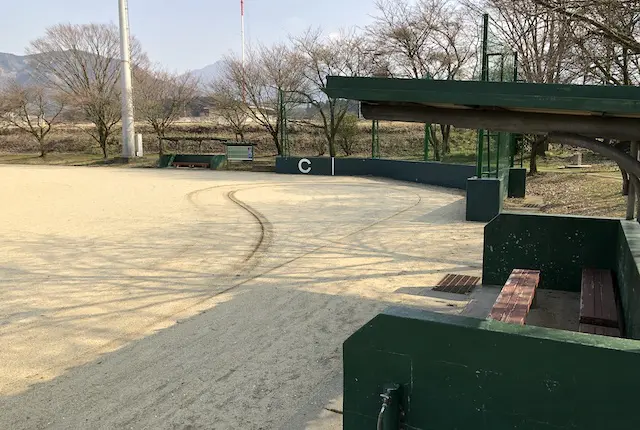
column 479, row 153
column 499, row 142
column 128, row 131
column 631, row 197
column 427, row 133
column 375, row 139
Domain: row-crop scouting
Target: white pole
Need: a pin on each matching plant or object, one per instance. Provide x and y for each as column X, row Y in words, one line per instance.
column 243, row 49
column 242, row 28
column 128, row 131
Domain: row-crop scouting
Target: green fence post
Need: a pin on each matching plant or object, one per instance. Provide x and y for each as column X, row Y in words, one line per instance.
column 513, row 142
column 373, row 138
column 489, row 152
column 479, row 153
column 485, row 47
column 498, row 154
column 483, row 77
column 280, row 122
column 285, row 129
column 377, row 139
column 427, row 132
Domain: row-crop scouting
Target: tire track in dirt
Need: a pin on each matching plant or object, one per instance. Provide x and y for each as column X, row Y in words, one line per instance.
column 264, row 240
column 187, row 400
column 107, row 347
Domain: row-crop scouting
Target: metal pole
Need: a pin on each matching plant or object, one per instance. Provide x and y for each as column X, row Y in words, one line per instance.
column 483, row 77
column 281, row 120
column 427, row 132
column 515, row 66
column 244, row 78
column 637, row 183
column 485, row 47
column 373, row 138
column 479, row 153
column 286, row 129
column 498, row 154
column 631, row 197
column 377, row 139
column 242, row 28
column 128, row 130
column 512, row 150
column 489, row 152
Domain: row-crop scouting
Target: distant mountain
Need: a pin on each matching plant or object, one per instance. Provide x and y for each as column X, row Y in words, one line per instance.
column 18, row 67
column 14, row 67
column 208, row 73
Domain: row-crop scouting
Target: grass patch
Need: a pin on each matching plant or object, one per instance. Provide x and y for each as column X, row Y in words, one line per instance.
column 75, row 159
column 584, row 193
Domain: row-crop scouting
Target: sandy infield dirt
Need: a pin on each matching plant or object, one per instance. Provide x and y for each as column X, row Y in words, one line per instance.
column 178, row 299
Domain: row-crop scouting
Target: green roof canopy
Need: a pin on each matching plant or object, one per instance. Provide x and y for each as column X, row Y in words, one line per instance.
column 594, row 111
column 575, row 99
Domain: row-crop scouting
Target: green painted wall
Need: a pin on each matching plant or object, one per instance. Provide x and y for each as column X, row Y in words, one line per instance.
column 559, row 246
column 628, row 277
column 517, row 182
column 216, row 161
column 469, row 374
column 485, row 197
column 433, row 173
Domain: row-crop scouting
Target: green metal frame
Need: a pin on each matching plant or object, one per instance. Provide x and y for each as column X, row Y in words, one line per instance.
column 283, row 124
column 502, row 158
column 427, row 134
column 375, row 139
column 618, row 101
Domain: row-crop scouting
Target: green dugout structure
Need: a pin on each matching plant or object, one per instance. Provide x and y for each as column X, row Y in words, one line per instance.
column 572, row 114
column 413, row 369
column 234, row 152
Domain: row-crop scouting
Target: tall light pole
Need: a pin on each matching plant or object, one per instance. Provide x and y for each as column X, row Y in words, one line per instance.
column 244, row 88
column 128, row 131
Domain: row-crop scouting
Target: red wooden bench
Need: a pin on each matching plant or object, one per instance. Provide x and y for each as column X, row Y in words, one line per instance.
column 598, row 307
column 190, row 164
column 517, row 297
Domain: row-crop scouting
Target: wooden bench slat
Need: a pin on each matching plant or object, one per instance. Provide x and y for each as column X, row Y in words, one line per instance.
column 516, row 297
column 597, row 299
column 609, row 309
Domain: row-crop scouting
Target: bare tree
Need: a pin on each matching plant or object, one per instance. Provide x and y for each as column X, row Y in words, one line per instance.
column 161, row 98
column 82, row 62
column 595, row 15
column 33, row 110
column 606, row 34
column 345, row 54
column 268, row 71
column 228, row 104
column 542, row 41
column 427, row 39
column 607, row 37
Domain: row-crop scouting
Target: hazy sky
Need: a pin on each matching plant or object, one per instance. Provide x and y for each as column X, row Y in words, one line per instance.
column 184, row 34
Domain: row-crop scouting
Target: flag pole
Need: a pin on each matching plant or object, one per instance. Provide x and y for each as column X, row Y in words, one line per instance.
column 244, row 84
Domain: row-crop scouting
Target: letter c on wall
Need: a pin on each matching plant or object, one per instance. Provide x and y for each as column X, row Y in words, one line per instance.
column 304, row 169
